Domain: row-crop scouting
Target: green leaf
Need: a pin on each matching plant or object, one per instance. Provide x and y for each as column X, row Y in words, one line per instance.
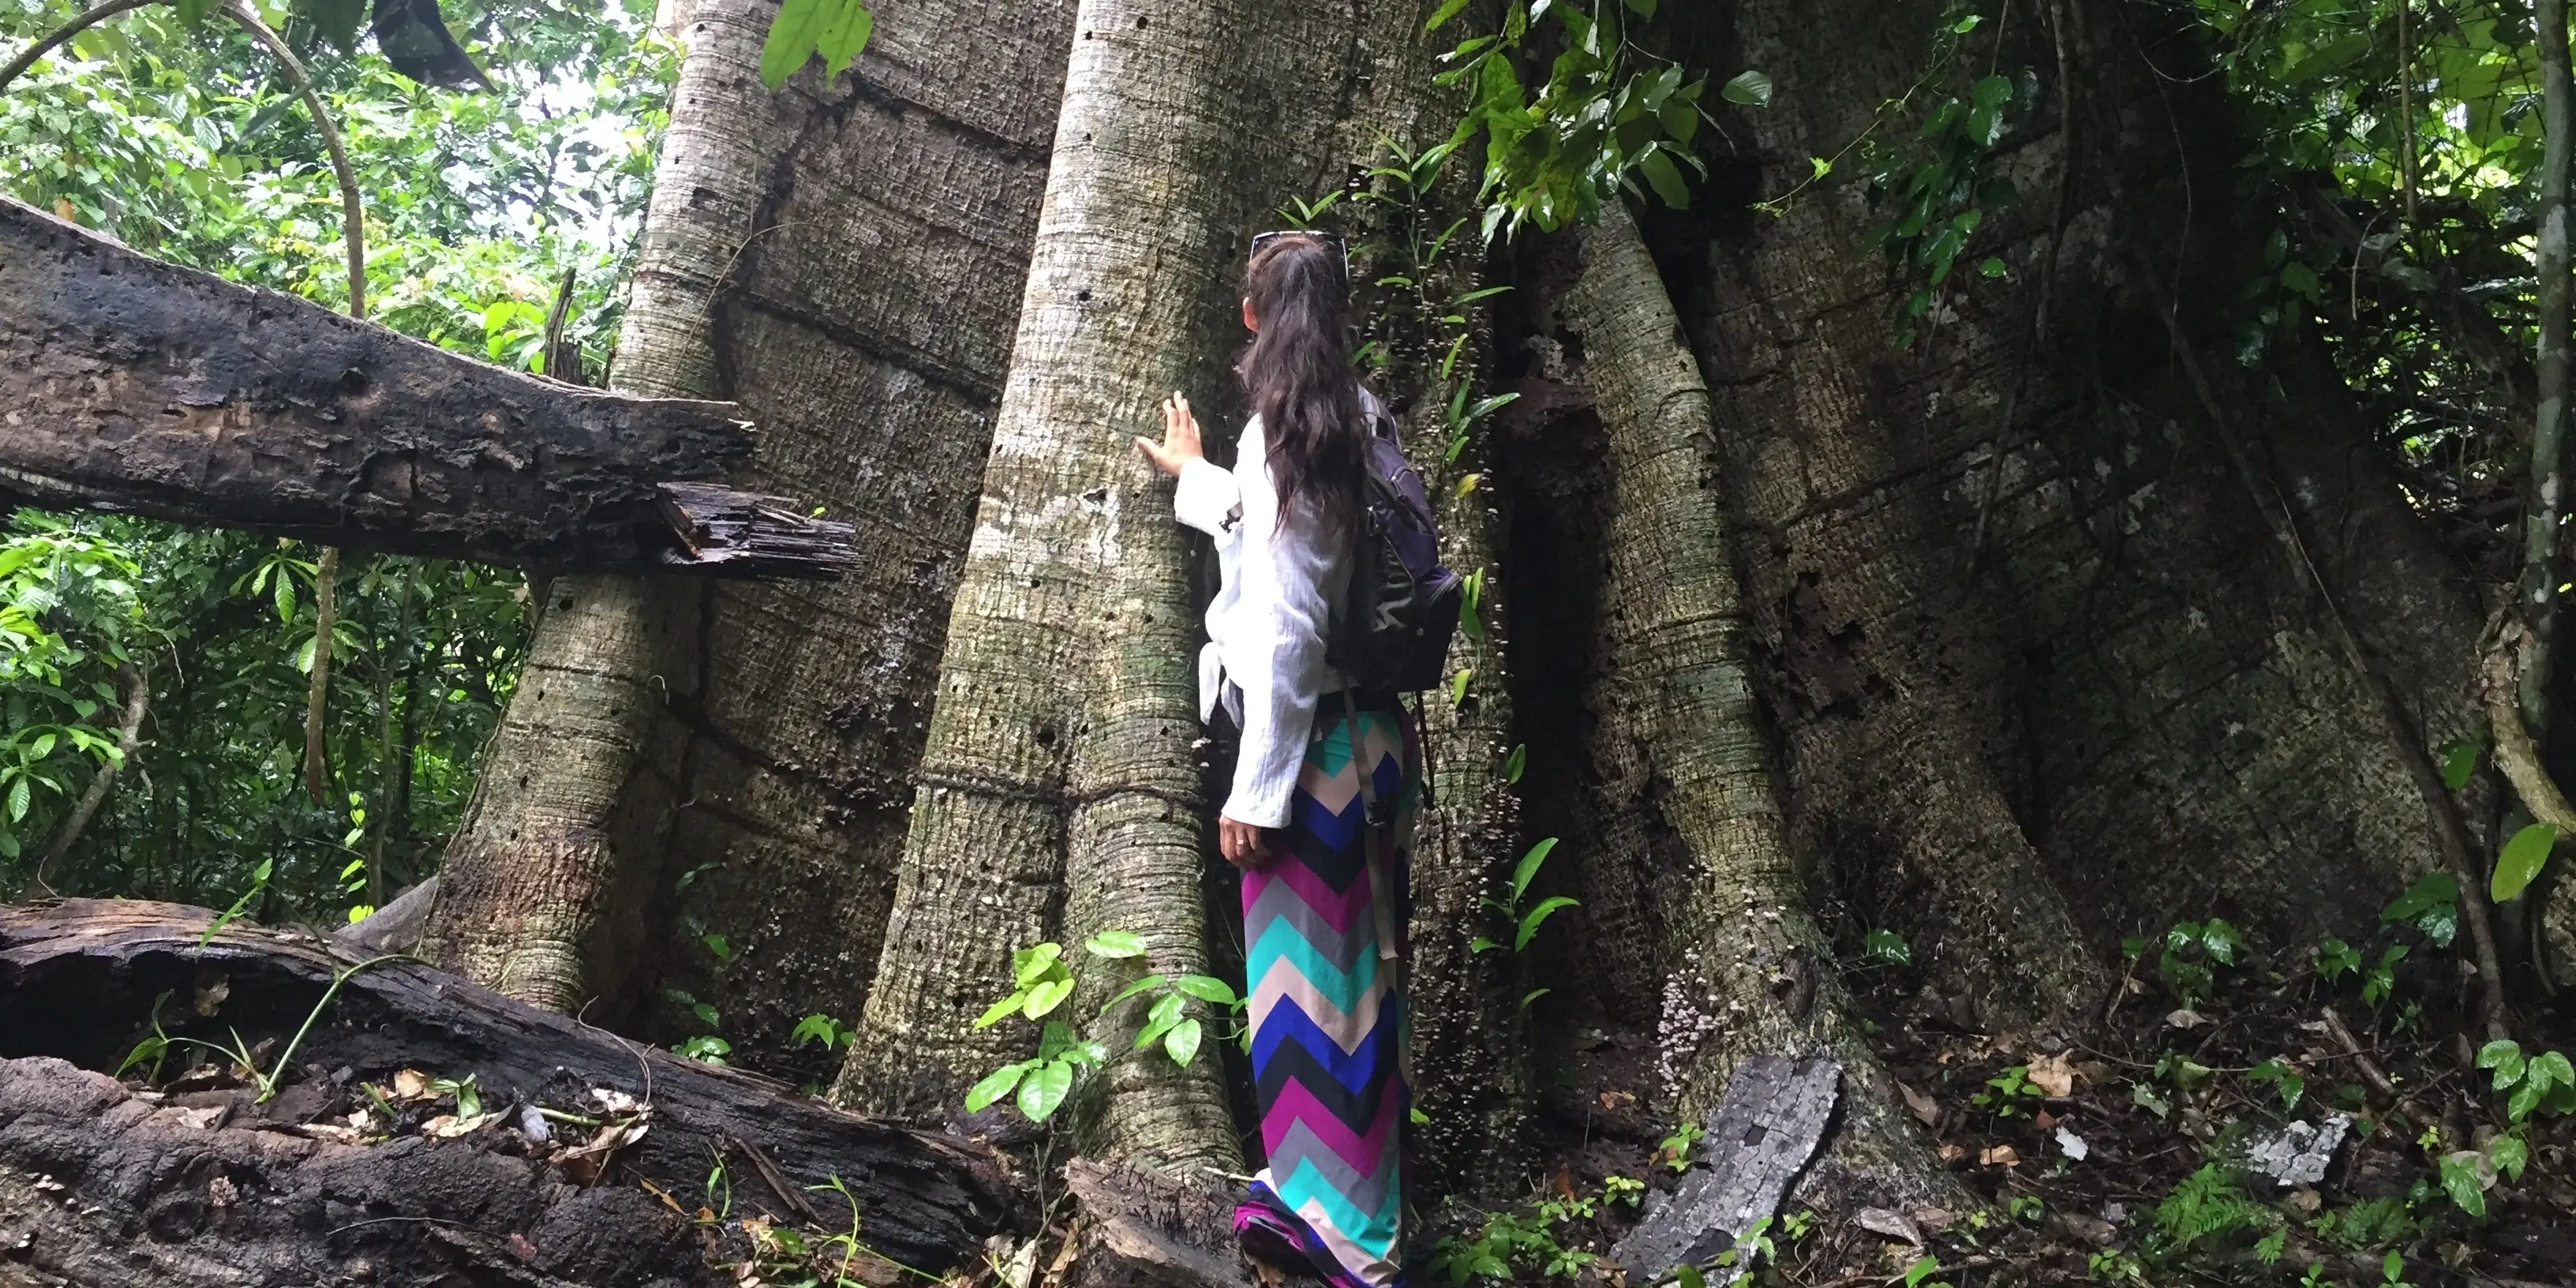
column 843, row 37
column 1046, row 996
column 1043, row 1092
column 1440, row 17
column 19, row 798
column 2460, row 1180
column 1207, row 988
column 1751, row 88
column 1515, row 763
column 1115, row 944
column 1642, row 8
column 1147, row 984
column 1665, row 178
column 720, row 946
column 337, row 20
column 1990, row 267
column 1530, row 923
column 1001, row 1008
column 1889, row 947
column 1182, row 1042
column 1527, row 869
column 792, row 38
column 285, row 598
column 2553, row 1065
column 193, row 12
column 2504, row 1055
column 1029, row 965
column 2521, row 861
column 2459, row 762
column 995, row 1085
column 1480, row 944
column 1458, row 686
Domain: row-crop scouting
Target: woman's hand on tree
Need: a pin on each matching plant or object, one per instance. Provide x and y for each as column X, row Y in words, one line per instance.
column 1180, row 444
column 1242, row 844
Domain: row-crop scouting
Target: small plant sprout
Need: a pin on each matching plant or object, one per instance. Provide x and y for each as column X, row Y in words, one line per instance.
column 1525, row 921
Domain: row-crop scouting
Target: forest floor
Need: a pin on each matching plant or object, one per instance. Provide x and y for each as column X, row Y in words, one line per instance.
column 2128, row 1159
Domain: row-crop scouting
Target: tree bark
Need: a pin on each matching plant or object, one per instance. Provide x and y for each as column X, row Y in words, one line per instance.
column 78, row 983
column 143, row 387
column 866, row 321
column 2006, row 601
column 1678, row 749
column 1045, row 766
column 129, row 736
column 557, row 862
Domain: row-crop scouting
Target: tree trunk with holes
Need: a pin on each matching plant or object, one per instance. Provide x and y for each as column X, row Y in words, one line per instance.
column 549, row 880
column 2042, row 677
column 1061, row 790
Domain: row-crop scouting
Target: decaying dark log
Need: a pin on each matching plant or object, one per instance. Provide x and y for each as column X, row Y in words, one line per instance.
column 100, row 1185
column 1758, row 1141
column 1143, row 1229
column 133, row 385
column 753, row 536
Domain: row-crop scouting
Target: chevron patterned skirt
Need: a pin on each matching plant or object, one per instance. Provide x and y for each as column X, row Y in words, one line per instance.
column 1323, row 930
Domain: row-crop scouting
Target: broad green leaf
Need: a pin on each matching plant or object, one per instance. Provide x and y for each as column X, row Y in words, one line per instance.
column 1530, row 922
column 1029, row 965
column 1167, row 1009
column 793, row 35
column 19, row 797
column 1480, row 944
column 1515, row 763
column 1440, row 17
column 995, row 1085
column 1115, row 943
column 1182, row 1042
column 1527, row 869
column 1001, row 1008
column 1748, row 87
column 1665, row 178
column 1642, row 8
column 843, row 36
column 2459, row 762
column 2461, row 1181
column 1041, row 1093
column 1458, row 686
column 1046, row 996
column 2521, row 861
column 2504, row 1055
column 2554, row 1065
column 285, row 597
column 1206, row 988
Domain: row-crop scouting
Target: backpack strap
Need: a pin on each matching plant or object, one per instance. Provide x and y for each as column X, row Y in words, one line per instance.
column 1368, row 790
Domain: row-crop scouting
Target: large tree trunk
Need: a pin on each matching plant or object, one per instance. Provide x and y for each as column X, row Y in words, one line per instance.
column 867, row 320
column 550, row 877
column 1688, row 881
column 2044, row 678
column 1060, row 762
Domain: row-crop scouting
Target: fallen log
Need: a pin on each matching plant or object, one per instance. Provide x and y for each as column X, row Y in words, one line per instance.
column 586, row 1161
column 1760, row 1138
column 132, row 385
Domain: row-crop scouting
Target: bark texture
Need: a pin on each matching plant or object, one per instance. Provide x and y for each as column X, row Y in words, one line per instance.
column 1060, row 764
column 2006, row 593
column 147, row 388
column 1680, row 782
column 554, row 869
column 207, row 1187
column 868, row 321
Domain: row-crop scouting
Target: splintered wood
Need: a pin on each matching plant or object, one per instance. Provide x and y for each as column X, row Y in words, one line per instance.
column 132, row 385
column 1759, row 1140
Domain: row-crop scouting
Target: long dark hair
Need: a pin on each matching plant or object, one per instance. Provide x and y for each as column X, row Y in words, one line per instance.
column 1298, row 372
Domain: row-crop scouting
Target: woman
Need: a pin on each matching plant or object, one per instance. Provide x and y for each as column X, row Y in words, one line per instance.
column 1322, row 890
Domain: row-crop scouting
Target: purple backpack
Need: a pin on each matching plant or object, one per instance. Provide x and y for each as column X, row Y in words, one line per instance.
column 1392, row 633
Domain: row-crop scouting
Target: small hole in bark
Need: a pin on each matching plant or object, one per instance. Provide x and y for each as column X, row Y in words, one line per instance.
column 1082, row 295
column 1046, row 735
column 354, row 381
column 1141, row 24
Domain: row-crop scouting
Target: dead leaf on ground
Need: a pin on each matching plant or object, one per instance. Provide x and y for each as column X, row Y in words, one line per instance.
column 1933, row 1219
column 1889, row 1222
column 411, row 1084
column 211, row 994
column 2053, row 1075
column 206, row 1119
column 332, row 1132
column 449, row 1126
column 1924, row 1107
column 585, row 1165
column 2043, row 1120
column 2186, row 1019
column 1952, row 1153
column 1999, row 1156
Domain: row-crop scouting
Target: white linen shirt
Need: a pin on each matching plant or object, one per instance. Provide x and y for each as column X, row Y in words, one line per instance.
column 1267, row 627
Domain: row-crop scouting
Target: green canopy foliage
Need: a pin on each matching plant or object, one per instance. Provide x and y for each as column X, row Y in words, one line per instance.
column 187, row 141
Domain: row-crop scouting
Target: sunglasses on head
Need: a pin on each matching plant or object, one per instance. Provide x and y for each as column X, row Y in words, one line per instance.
column 1333, row 240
